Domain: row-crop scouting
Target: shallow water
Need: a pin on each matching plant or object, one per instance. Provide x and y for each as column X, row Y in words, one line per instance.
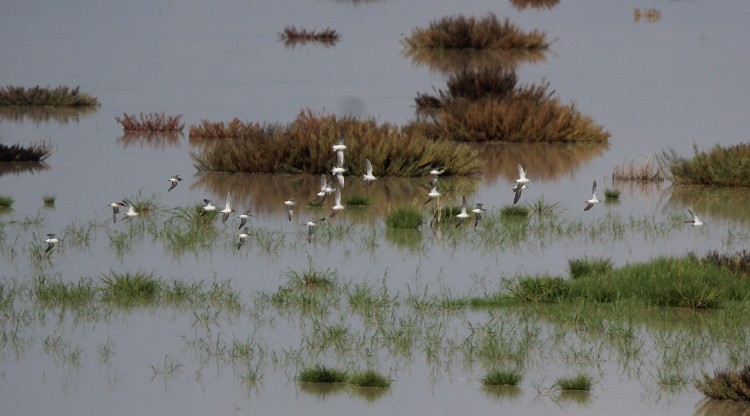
column 654, row 85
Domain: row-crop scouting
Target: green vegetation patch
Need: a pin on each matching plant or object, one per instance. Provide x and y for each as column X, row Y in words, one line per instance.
column 60, row 96
column 127, row 288
column 577, row 382
column 6, row 201
column 405, row 218
column 321, row 374
column 722, row 166
column 586, row 266
column 369, row 378
column 502, row 378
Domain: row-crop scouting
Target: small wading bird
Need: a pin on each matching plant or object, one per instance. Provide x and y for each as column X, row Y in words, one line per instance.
column 463, row 214
column 242, row 236
column 289, row 207
column 311, row 228
column 227, row 209
column 477, row 213
column 244, row 217
column 695, row 222
column 130, row 213
column 433, row 191
column 594, row 200
column 368, row 176
column 436, row 172
column 174, row 180
column 337, row 206
column 50, row 240
column 208, row 208
column 116, row 210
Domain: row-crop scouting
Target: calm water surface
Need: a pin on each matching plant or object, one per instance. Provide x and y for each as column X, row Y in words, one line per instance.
column 674, row 83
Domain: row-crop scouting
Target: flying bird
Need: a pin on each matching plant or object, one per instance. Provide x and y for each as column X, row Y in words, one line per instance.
column 337, row 206
column 326, row 188
column 477, row 213
column 522, row 175
column 244, row 217
column 433, row 191
column 339, row 146
column 209, row 207
column 174, row 180
column 130, row 213
column 695, row 222
column 339, row 169
column 50, row 240
column 311, row 228
column 436, row 172
column 368, row 176
column 116, row 210
column 594, row 200
column 463, row 214
column 242, row 236
column 227, row 208
column 517, row 191
column 289, row 206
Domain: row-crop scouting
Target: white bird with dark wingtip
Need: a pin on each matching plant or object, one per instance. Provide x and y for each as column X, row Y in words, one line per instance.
column 695, row 222
column 243, row 236
column 463, row 214
column 436, row 172
column 337, row 206
column 477, row 213
column 227, row 209
column 116, row 210
column 368, row 176
column 244, row 217
column 522, row 179
column 311, row 228
column 290, row 203
column 517, row 191
column 208, row 208
column 339, row 169
column 339, row 146
column 50, row 240
column 594, row 200
column 433, row 191
column 130, row 213
column 174, row 180
column 326, row 188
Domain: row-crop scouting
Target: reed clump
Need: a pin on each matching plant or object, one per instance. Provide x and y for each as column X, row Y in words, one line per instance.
column 35, row 152
column 61, row 96
column 369, row 379
column 404, row 218
column 588, row 266
column 514, row 211
column 304, row 146
column 611, row 194
column 534, row 4
column 151, row 122
column 577, row 382
column 501, row 378
column 49, row 200
column 539, row 289
column 293, row 36
column 641, row 170
column 6, row 201
column 720, row 166
column 128, row 288
column 726, row 385
column 469, row 32
column 321, row 374
column 488, row 105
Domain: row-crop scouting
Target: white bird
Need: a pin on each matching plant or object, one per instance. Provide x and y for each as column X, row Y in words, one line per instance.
column 130, row 213
column 209, row 207
column 242, row 236
column 594, row 200
column 174, row 180
column 522, row 179
column 337, row 206
column 50, row 240
column 368, row 176
column 116, row 210
column 695, row 222
column 339, row 169
column 339, row 147
column 289, row 205
column 433, row 191
column 463, row 214
column 517, row 190
column 227, row 208
column 326, row 188
column 243, row 218
column 436, row 172
column 311, row 228
column 477, row 213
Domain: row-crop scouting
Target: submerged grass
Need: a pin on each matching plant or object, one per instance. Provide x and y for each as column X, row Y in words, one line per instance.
column 151, row 122
column 721, row 166
column 726, row 385
column 35, row 152
column 60, row 96
column 304, row 145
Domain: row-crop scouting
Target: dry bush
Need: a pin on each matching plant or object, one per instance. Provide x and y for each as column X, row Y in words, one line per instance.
column 36, row 152
column 534, row 4
column 293, row 36
column 150, row 122
column 60, row 96
column 470, row 32
column 642, row 170
column 649, row 15
column 726, row 385
column 305, row 146
column 449, row 61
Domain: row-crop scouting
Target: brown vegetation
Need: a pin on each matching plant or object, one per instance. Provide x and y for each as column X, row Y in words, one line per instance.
column 449, row 61
column 150, row 122
column 293, row 36
column 726, row 385
column 534, row 4
column 641, row 170
column 17, row 153
column 649, row 15
column 60, row 96
column 470, row 32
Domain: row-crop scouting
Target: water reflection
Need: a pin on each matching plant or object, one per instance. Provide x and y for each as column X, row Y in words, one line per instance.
column 579, row 397
column 503, row 393
column 154, row 140
column 639, row 188
column 321, row 390
column 711, row 407
column 715, row 202
column 18, row 168
column 45, row 114
column 544, row 161
column 409, row 239
column 449, row 61
column 265, row 193
column 369, row 394
column 534, row 4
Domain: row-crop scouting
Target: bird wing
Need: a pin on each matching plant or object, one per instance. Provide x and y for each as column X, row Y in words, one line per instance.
column 594, row 188
column 521, row 172
column 368, row 167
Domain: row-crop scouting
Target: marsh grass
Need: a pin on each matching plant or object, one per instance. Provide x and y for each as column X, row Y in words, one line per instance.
column 534, row 4
column 55, row 291
column 645, row 169
column 187, row 229
column 404, row 218
column 368, row 379
column 726, row 385
column 587, row 266
column 611, row 194
column 293, row 36
column 145, row 205
column 313, row 278
column 356, row 200
column 35, row 152
column 720, row 166
column 469, row 32
column 488, row 105
column 151, row 122
column 60, row 96
column 538, row 289
column 321, row 374
column 130, row 288
column 541, row 208
column 6, row 201
column 738, row 262
column 501, row 378
column 649, row 15
column 514, row 212
column 577, row 382
column 304, row 145
column 49, row 200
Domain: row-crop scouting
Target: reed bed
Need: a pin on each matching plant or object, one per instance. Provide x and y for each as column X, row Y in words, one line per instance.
column 726, row 385
column 720, row 166
column 293, row 36
column 469, row 32
column 35, row 152
column 534, row 4
column 61, row 96
column 641, row 170
column 304, row 146
column 488, row 105
column 151, row 122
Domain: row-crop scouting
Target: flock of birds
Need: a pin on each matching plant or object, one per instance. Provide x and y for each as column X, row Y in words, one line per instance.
column 327, row 188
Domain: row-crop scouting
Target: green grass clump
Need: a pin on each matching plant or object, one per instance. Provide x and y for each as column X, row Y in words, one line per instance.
column 721, row 166
column 501, row 378
column 151, row 122
column 304, row 145
column 469, row 32
column 126, row 288
column 514, row 211
column 356, row 200
column 404, row 219
column 611, row 194
column 539, row 289
column 17, row 153
column 313, row 277
column 145, row 205
column 578, row 382
column 488, row 105
column 726, row 385
column 6, row 201
column 369, row 378
column 321, row 374
column 586, row 266
column 61, row 96
column 49, row 200
column 68, row 293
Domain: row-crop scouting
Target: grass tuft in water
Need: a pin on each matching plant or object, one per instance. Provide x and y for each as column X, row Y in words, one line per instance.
column 369, row 378
column 151, row 122
column 293, row 36
column 35, row 152
column 738, row 262
column 321, row 374
column 313, row 278
column 726, row 385
column 127, row 288
column 51, row 291
column 578, row 382
column 501, row 378
column 586, row 266
column 404, row 219
column 49, row 200
column 60, row 96
column 145, row 205
column 641, row 170
column 356, row 200
column 539, row 289
column 611, row 194
column 514, row 211
column 6, row 201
